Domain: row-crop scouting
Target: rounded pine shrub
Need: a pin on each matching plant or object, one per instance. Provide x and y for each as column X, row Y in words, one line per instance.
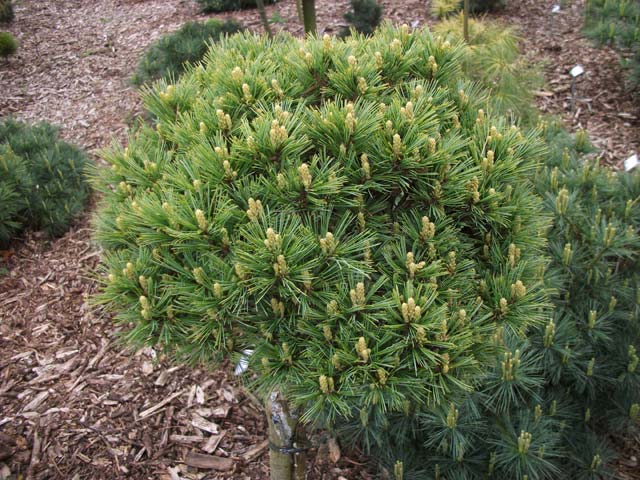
column 8, row 44
column 216, row 6
column 347, row 210
column 364, row 16
column 42, row 183
column 170, row 56
column 591, row 344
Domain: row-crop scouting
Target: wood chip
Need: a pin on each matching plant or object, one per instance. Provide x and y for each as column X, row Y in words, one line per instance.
column 210, row 462
column 221, row 411
column 199, row 395
column 174, row 473
column 334, row 450
column 204, row 424
column 255, row 451
column 185, row 439
column 161, row 381
column 212, row 442
column 37, row 400
column 155, row 408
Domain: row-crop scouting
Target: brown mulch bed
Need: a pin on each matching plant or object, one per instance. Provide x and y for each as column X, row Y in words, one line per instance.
column 74, row 403
column 604, row 107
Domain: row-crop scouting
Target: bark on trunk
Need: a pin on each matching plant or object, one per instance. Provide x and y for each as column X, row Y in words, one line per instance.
column 287, row 458
column 309, row 14
column 299, row 11
column 466, row 21
column 263, row 17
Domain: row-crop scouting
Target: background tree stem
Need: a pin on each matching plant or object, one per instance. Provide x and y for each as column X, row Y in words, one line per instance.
column 309, row 14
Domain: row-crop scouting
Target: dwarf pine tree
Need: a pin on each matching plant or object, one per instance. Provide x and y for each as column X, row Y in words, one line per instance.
column 548, row 406
column 346, row 209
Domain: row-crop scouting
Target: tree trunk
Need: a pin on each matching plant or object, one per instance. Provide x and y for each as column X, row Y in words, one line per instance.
column 299, row 11
column 309, row 14
column 263, row 17
column 287, row 458
column 466, row 20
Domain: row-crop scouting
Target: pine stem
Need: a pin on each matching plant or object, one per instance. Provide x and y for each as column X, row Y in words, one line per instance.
column 263, row 17
column 299, row 11
column 284, row 433
column 466, row 20
column 309, row 14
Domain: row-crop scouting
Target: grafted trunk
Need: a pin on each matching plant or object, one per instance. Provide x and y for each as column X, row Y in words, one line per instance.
column 299, row 11
column 287, row 457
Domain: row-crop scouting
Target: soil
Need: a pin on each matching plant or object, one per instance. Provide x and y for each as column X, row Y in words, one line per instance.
column 74, row 402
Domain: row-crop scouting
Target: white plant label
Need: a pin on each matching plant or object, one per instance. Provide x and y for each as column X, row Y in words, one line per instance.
column 631, row 162
column 243, row 363
column 577, row 71
column 555, row 9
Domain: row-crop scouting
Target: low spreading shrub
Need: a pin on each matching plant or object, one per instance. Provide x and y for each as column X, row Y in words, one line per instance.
column 42, row 185
column 492, row 57
column 8, row 44
column 617, row 23
column 170, row 56
column 6, row 11
column 216, row 6
column 347, row 210
column 364, row 16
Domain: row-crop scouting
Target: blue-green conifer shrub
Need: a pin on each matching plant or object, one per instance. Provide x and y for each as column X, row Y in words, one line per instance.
column 550, row 405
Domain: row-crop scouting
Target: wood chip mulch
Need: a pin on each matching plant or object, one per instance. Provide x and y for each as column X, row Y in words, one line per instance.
column 76, row 404
column 605, row 105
